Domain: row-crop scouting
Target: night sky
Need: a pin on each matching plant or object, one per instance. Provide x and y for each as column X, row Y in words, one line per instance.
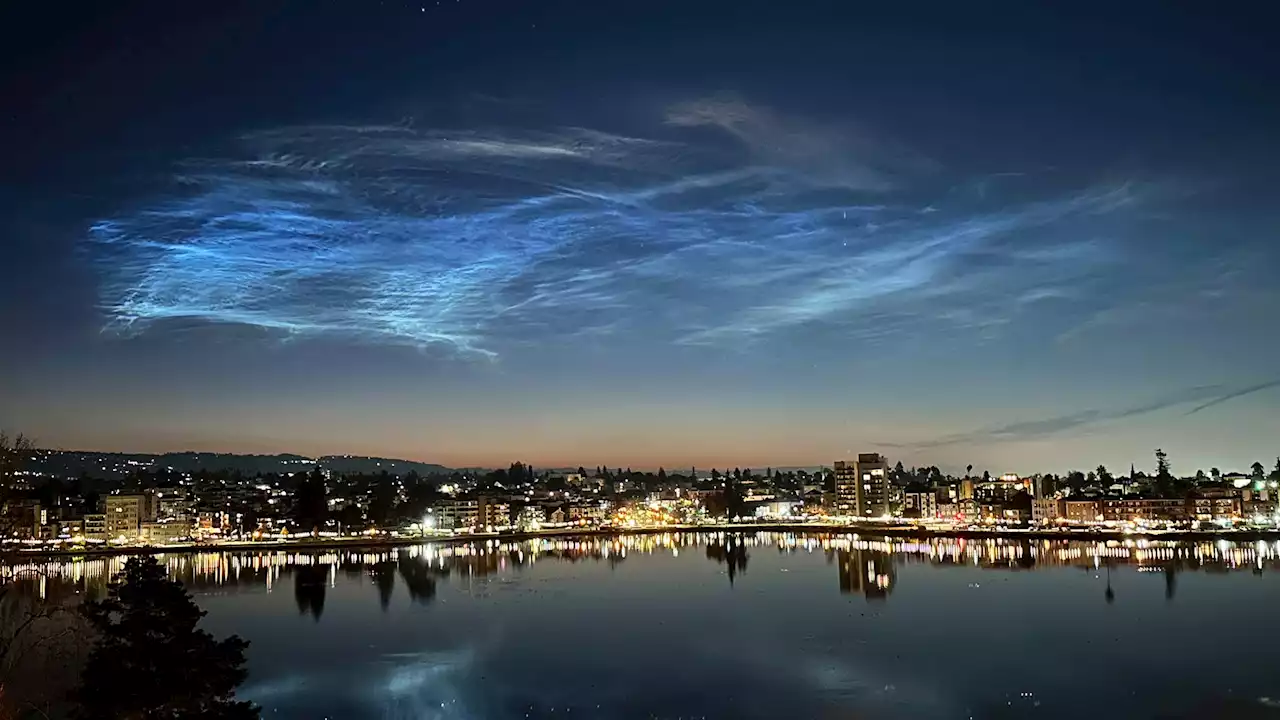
column 643, row 234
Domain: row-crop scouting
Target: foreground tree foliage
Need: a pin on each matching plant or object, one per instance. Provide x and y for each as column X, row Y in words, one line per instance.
column 151, row 662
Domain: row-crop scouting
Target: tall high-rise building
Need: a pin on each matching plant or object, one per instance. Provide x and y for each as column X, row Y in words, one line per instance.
column 862, row 486
column 846, row 475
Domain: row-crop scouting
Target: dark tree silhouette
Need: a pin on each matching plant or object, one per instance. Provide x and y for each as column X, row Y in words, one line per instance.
column 312, row 505
column 729, row 502
column 151, row 662
column 13, row 452
column 1162, row 464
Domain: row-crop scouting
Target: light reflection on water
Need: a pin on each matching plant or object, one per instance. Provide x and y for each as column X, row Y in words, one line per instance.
column 216, row 568
column 728, row 625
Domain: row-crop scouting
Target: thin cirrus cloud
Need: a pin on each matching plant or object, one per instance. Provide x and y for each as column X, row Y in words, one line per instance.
column 1205, row 397
column 733, row 222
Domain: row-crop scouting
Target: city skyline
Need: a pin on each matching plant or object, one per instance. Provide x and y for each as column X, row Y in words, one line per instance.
column 1031, row 243
column 352, row 464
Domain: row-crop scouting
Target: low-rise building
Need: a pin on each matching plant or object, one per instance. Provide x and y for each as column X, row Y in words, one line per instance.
column 592, row 513
column 492, row 514
column 164, row 533
column 1082, row 511
column 919, row 503
column 171, row 506
column 1046, row 510
column 456, row 514
column 1215, row 508
column 778, row 509
column 1158, row 509
column 482, row 513
column 95, row 526
column 529, row 517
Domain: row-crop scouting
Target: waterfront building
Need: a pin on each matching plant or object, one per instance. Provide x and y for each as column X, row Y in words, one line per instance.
column 862, row 486
column 1129, row 509
column 1215, row 508
column 530, row 517
column 919, row 502
column 778, row 509
column 126, row 513
column 846, row 477
column 154, row 532
column 492, row 514
column 456, row 514
column 1044, row 510
column 1082, row 511
column 481, row 513
column 95, row 526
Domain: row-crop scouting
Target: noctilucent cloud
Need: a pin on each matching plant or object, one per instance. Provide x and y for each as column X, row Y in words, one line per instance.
column 480, row 231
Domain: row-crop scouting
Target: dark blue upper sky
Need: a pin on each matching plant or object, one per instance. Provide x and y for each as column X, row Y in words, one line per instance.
column 1027, row 238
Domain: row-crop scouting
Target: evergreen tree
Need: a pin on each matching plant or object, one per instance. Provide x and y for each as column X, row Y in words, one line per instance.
column 312, row 505
column 1162, row 464
column 151, row 662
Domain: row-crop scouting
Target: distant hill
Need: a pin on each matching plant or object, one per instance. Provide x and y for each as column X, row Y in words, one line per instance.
column 73, row 463
column 356, row 464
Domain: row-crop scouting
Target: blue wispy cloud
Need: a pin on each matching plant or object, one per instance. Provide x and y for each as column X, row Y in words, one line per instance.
column 732, row 222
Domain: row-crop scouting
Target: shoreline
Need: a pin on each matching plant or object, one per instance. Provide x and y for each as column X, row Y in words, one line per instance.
column 890, row 531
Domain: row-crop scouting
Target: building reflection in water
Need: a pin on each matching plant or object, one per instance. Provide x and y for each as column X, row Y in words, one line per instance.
column 869, row 572
column 866, row 566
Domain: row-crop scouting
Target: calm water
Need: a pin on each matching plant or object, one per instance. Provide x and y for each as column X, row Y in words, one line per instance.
column 754, row 626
